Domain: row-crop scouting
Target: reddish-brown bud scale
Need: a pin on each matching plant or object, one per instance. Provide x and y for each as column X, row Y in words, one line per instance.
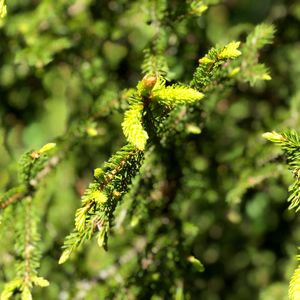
column 149, row 82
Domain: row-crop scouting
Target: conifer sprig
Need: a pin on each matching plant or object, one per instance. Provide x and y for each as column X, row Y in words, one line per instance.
column 33, row 166
column 3, row 9
column 250, row 69
column 151, row 102
column 289, row 141
column 11, row 196
column 101, row 199
column 262, row 35
column 102, row 196
column 28, row 253
column 209, row 68
column 175, row 95
column 150, row 92
column 294, row 287
column 155, row 60
column 133, row 127
column 250, row 179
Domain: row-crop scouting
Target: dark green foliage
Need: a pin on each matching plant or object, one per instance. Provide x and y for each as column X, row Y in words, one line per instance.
column 194, row 205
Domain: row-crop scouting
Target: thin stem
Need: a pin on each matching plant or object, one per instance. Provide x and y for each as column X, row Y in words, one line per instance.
column 12, row 199
column 27, row 240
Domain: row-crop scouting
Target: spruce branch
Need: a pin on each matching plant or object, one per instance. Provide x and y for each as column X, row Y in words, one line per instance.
column 32, row 163
column 153, row 100
column 11, row 196
column 157, row 119
column 155, row 60
column 197, row 7
column 33, row 166
column 28, row 253
column 250, row 69
column 262, row 35
column 3, row 9
column 133, row 128
column 289, row 141
column 47, row 168
column 294, row 287
column 209, row 68
column 175, row 95
column 192, row 8
column 101, row 198
column 249, row 179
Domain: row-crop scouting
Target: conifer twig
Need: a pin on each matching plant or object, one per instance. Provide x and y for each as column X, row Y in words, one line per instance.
column 12, row 199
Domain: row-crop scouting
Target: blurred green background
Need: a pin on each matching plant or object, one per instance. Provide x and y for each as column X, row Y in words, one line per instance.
column 62, row 62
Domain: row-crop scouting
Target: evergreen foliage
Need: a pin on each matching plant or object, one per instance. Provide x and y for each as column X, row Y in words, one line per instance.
column 3, row 9
column 191, row 204
column 289, row 142
column 133, row 127
column 294, row 292
column 209, row 68
column 27, row 237
column 101, row 198
column 252, row 70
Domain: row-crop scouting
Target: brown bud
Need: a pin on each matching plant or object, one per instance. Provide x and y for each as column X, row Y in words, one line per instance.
column 149, row 82
column 35, row 155
column 116, row 195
